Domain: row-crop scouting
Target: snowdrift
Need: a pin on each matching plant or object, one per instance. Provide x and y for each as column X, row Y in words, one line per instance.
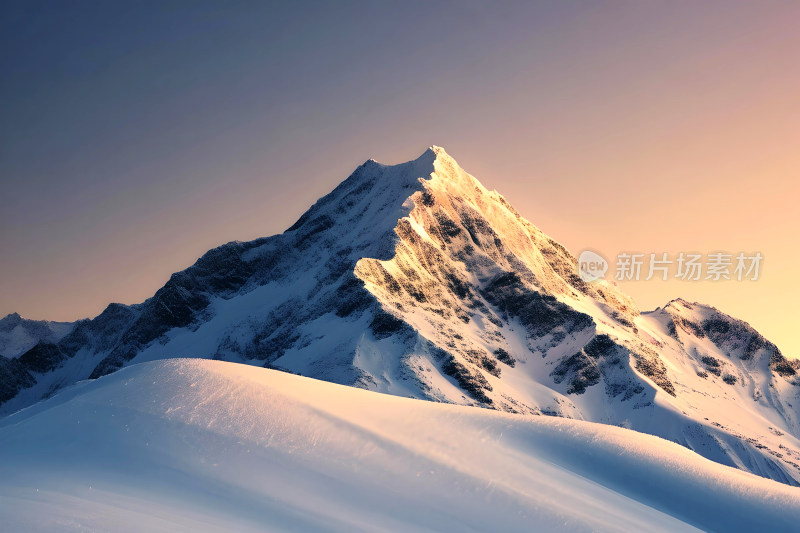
column 206, row 445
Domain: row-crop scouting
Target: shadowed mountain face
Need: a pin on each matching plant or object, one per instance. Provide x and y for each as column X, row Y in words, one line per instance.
column 18, row 335
column 415, row 280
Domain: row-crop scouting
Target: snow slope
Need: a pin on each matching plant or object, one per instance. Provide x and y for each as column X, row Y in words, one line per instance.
column 182, row 445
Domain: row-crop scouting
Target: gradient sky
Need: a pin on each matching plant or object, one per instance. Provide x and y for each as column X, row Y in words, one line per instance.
column 134, row 136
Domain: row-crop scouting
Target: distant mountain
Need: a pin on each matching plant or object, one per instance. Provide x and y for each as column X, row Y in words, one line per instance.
column 18, row 335
column 415, row 280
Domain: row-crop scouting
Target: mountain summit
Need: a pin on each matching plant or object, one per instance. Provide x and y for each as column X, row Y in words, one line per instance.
column 415, row 280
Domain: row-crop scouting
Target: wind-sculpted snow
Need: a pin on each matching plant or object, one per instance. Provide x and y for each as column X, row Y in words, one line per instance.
column 415, row 280
column 208, row 445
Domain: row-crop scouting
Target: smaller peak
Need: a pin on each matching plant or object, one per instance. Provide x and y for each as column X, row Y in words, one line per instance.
column 369, row 163
column 676, row 302
column 676, row 305
column 11, row 321
column 679, row 305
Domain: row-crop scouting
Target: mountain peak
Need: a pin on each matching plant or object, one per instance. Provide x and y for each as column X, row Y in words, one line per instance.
column 423, row 163
column 678, row 304
column 438, row 151
column 425, row 158
column 18, row 335
column 11, row 317
column 414, row 280
column 438, row 154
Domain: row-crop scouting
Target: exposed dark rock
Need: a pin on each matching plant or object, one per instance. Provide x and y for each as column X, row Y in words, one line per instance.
column 351, row 297
column 490, row 365
column 650, row 364
column 782, row 366
column 504, row 357
column 600, row 346
column 385, row 324
column 42, row 358
column 582, row 371
column 427, row 198
column 716, row 327
column 756, row 343
column 13, row 378
column 447, row 226
column 311, row 229
column 470, row 381
column 604, row 359
column 686, row 325
column 730, row 334
column 539, row 313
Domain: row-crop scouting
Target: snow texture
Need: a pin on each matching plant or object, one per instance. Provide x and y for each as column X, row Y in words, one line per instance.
column 187, row 444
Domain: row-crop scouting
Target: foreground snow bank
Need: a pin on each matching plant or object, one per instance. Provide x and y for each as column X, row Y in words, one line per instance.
column 193, row 444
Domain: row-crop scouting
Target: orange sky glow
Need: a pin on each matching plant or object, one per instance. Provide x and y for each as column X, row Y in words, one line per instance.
column 614, row 126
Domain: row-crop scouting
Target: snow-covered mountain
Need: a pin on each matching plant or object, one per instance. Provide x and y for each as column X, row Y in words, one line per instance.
column 18, row 335
column 193, row 445
column 414, row 280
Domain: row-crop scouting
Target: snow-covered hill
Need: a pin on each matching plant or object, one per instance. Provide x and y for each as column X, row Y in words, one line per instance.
column 186, row 445
column 414, row 280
